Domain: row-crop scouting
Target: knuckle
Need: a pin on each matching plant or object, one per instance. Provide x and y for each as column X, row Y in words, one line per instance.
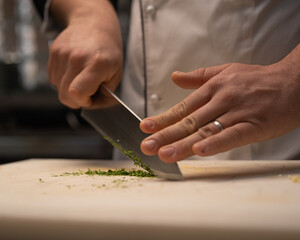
column 58, row 51
column 205, row 132
column 79, row 96
column 106, row 61
column 214, row 86
column 165, row 136
column 100, row 57
column 180, row 110
column 201, row 133
column 189, row 124
column 209, row 130
column 76, row 57
column 163, row 120
column 173, row 115
column 233, row 75
column 53, row 49
column 75, row 91
column 230, row 97
column 201, row 72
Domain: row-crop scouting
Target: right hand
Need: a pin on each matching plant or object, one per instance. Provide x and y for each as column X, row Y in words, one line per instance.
column 84, row 56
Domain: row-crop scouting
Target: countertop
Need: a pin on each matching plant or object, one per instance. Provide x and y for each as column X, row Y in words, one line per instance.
column 217, row 200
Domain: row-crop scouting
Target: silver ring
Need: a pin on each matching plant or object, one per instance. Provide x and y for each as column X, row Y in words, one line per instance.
column 219, row 125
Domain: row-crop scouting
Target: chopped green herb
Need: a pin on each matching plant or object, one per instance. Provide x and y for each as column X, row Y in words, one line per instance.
column 119, row 181
column 41, row 180
column 118, row 172
column 136, row 160
column 69, row 174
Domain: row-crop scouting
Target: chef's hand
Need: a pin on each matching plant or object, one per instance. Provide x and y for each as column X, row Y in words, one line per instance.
column 252, row 103
column 87, row 53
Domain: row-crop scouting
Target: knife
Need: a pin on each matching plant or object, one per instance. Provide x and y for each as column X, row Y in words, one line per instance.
column 120, row 126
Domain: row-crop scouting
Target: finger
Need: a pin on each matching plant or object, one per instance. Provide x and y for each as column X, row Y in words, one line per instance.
column 51, row 65
column 183, row 148
column 75, row 64
column 176, row 113
column 190, row 104
column 57, row 65
column 87, row 83
column 196, row 78
column 182, row 129
column 235, row 136
column 63, row 93
column 102, row 98
column 60, row 76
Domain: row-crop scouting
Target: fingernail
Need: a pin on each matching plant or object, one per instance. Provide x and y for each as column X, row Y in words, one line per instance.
column 179, row 72
column 168, row 151
column 150, row 144
column 149, row 124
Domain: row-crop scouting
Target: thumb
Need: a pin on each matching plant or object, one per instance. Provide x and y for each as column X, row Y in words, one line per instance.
column 196, row 78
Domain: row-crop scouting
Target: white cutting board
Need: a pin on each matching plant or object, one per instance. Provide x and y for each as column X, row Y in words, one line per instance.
column 218, row 200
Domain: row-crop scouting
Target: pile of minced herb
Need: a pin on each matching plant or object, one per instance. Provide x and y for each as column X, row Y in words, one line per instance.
column 118, row 172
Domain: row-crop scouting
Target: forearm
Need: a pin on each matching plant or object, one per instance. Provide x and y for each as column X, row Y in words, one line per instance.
column 97, row 15
column 67, row 11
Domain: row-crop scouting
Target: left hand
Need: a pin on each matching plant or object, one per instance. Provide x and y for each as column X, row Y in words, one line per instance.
column 253, row 103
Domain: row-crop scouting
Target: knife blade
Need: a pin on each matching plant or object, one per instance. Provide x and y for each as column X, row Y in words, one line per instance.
column 120, row 125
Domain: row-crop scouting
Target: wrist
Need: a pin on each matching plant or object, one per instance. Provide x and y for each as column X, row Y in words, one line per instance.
column 292, row 63
column 72, row 11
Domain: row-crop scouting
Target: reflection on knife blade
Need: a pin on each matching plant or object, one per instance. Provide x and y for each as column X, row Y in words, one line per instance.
column 120, row 125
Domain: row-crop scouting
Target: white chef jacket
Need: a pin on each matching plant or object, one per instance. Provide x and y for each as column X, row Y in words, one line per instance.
column 169, row 35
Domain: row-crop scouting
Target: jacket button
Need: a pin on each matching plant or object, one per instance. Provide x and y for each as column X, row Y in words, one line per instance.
column 150, row 9
column 154, row 98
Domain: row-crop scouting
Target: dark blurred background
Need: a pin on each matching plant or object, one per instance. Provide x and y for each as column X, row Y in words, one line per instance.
column 33, row 123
